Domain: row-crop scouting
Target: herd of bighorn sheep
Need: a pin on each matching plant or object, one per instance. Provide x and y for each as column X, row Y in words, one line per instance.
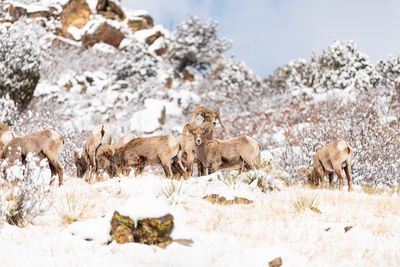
column 177, row 157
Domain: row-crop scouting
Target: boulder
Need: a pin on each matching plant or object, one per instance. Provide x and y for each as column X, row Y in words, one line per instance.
column 150, row 231
column 16, row 12
column 75, row 13
column 187, row 76
column 153, row 231
column 276, row 262
column 216, row 199
column 109, row 9
column 141, row 22
column 103, row 33
column 122, row 228
column 150, row 40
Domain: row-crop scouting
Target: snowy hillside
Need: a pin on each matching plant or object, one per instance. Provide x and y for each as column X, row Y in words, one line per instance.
column 69, row 65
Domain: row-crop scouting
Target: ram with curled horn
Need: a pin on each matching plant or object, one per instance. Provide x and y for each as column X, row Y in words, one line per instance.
column 187, row 153
column 208, row 115
column 328, row 160
column 235, row 153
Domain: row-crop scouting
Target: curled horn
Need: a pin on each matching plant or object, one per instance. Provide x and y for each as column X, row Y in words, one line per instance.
column 104, row 149
column 188, row 127
column 208, row 126
column 216, row 110
column 199, row 111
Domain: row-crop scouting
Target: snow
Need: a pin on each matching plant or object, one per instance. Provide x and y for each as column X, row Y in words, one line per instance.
column 97, row 230
column 238, row 235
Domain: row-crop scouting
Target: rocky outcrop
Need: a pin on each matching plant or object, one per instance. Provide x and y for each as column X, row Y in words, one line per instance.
column 103, row 33
column 150, row 231
column 75, row 13
column 216, row 199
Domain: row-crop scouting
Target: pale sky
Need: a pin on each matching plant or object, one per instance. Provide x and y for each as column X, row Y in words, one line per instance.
column 267, row 34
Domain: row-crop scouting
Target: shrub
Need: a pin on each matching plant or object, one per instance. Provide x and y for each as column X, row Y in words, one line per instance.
column 24, row 189
column 138, row 64
column 19, row 62
column 195, row 43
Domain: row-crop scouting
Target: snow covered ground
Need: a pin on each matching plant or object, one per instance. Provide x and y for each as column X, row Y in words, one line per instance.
column 234, row 235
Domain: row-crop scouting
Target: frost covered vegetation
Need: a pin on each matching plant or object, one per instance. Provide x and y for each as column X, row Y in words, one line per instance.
column 149, row 82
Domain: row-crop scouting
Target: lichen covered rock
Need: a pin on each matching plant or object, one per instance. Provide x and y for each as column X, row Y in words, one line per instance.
column 122, row 228
column 149, row 231
column 153, row 231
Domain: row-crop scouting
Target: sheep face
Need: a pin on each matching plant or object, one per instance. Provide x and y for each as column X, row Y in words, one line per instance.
column 80, row 163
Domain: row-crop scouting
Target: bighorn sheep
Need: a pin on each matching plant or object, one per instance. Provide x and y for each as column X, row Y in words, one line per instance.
column 330, row 159
column 5, row 135
column 238, row 152
column 45, row 144
column 119, row 143
column 139, row 152
column 187, row 143
column 86, row 164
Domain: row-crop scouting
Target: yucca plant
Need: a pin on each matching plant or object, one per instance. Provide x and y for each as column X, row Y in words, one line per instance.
column 171, row 190
column 73, row 206
column 302, row 203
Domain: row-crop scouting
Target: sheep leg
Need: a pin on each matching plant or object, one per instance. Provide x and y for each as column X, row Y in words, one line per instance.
column 55, row 167
column 166, row 164
column 330, row 175
column 338, row 172
column 348, row 175
column 189, row 163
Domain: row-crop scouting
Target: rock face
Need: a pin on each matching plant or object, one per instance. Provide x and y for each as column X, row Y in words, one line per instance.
column 150, row 231
column 216, row 199
column 104, row 33
column 75, row 13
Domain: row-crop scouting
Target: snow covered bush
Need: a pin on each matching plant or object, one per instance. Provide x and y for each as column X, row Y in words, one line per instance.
column 19, row 62
column 8, row 109
column 340, row 66
column 196, row 43
column 232, row 84
column 297, row 73
column 138, row 64
column 23, row 188
column 308, row 127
